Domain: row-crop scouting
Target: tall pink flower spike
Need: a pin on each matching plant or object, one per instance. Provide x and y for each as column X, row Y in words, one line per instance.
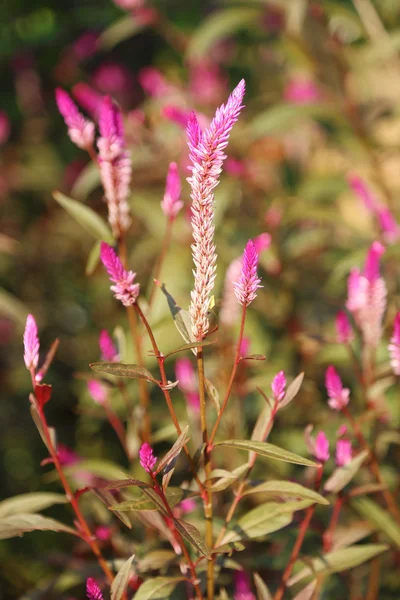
column 147, row 458
column 337, row 394
column 186, row 376
column 93, row 591
column 278, row 386
column 171, row 203
column 115, row 166
column 207, row 157
column 108, row 350
column 318, row 447
column 97, row 391
column 246, row 286
column 31, row 343
column 343, row 452
column 124, row 289
column 242, row 587
column 394, row 346
column 80, row 130
column 344, row 330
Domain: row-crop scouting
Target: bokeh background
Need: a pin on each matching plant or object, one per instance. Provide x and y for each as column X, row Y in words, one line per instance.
column 322, row 102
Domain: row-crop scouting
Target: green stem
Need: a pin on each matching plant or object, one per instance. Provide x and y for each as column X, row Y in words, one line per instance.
column 161, row 258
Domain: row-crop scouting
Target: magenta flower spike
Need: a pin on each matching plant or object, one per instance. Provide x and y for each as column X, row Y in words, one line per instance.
column 344, row 330
column 115, row 166
column 97, row 391
column 124, row 289
column 80, row 130
column 371, row 268
column 278, row 386
column 242, row 587
column 31, row 343
column 388, row 224
column 362, row 191
column 207, row 157
column 248, row 283
column 171, row 203
column 93, row 591
column 186, row 376
column 343, row 452
column 108, row 350
column 147, row 458
column 337, row 394
column 321, row 450
column 394, row 346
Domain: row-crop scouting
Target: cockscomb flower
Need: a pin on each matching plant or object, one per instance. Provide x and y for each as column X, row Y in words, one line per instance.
column 88, row 98
column 207, row 157
column 93, row 591
column 363, row 191
column 115, row 166
column 388, row 224
column 242, row 587
column 318, row 447
column 262, row 242
column 80, row 130
column 246, row 286
column 97, row 391
column 186, row 376
column 108, row 350
column 171, row 203
column 337, row 394
column 367, row 296
column 301, row 90
column 344, row 330
column 147, row 458
column 154, row 83
column 31, row 343
column 278, row 386
column 394, row 346
column 343, row 452
column 124, row 289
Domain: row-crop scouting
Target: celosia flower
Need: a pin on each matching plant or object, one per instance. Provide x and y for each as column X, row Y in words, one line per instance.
column 262, row 242
column 362, row 190
column 112, row 78
column 301, row 90
column 207, row 84
column 31, row 343
column 207, row 157
column 248, row 283
column 342, row 430
column 171, row 203
column 80, row 130
column 97, row 390
column 154, row 83
column 115, row 166
column 367, row 296
column 338, row 395
column 278, row 386
column 186, row 376
column 242, row 587
column 85, row 45
column 124, row 288
column 103, row 533
column 245, row 346
column 318, row 447
column 388, row 224
column 344, row 330
column 343, row 452
column 88, row 98
column 93, row 591
column 66, row 456
column 108, row 350
column 394, row 346
column 176, row 114
column 147, row 458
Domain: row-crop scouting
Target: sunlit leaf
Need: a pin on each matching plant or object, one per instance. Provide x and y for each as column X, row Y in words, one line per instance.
column 286, row 488
column 181, row 318
column 93, row 258
column 307, row 592
column 121, row 30
column 212, row 393
column 121, row 370
column 190, row 346
column 16, row 525
column 292, row 390
column 86, row 217
column 120, row 582
column 380, row 517
column 175, row 450
column 343, row 475
column 261, row 588
column 192, row 535
column 227, row 477
column 30, row 503
column 268, row 451
column 159, row 588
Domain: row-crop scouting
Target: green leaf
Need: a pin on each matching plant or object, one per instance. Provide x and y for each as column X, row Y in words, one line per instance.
column 121, row 30
column 263, row 422
column 190, row 346
column 30, row 503
column 381, row 518
column 87, row 181
column 181, row 318
column 121, row 370
column 339, row 560
column 86, row 217
column 254, row 357
column 120, row 582
column 174, row 496
column 93, row 259
column 175, row 450
column 155, row 560
column 226, row 477
column 16, row 525
column 192, row 535
column 292, row 390
column 287, row 488
column 268, row 451
column 307, row 592
column 343, row 475
column 261, row 588
column 159, row 588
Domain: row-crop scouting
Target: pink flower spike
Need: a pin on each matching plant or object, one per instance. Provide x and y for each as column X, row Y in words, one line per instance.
column 124, row 289
column 66, row 456
column 394, row 346
column 242, row 587
column 176, row 114
column 31, row 343
column 278, row 386
column 108, row 349
column 154, row 83
column 88, row 98
column 172, row 203
column 371, row 269
column 80, row 130
column 262, row 242
column 342, row 430
column 387, row 222
column 321, row 450
column 93, row 591
column 357, row 288
column 147, row 458
column 97, row 391
column 362, row 190
column 343, row 452
column 186, row 376
column 248, row 283
column 344, row 330
column 338, row 395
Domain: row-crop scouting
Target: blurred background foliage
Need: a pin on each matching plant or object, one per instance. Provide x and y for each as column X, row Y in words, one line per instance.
column 323, row 82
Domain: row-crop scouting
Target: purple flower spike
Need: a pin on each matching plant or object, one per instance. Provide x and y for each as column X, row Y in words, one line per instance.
column 371, row 269
column 362, row 190
column 93, row 591
column 172, row 203
column 31, row 343
column 321, row 451
column 124, row 289
column 343, row 452
column 338, row 395
column 242, row 587
column 108, row 349
column 344, row 330
column 248, row 283
column 394, row 346
column 80, row 130
column 278, row 386
column 147, row 458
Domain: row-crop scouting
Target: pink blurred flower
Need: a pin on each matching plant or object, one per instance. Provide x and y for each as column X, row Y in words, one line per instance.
column 394, row 346
column 154, row 83
column 80, row 130
column 93, row 591
column 278, row 386
column 171, row 203
column 103, row 533
column 66, row 456
column 129, row 4
column 147, row 458
column 343, row 452
column 5, row 127
column 245, row 346
column 186, row 376
column 344, row 330
column 188, row 505
column 97, row 391
column 342, row 430
column 318, row 447
column 108, row 350
column 124, row 289
column 85, row 45
column 88, row 98
column 388, row 224
column 301, row 90
column 242, row 586
column 176, row 114
column 262, row 242
column 338, row 395
column 207, row 83
column 363, row 191
column 31, row 343
column 234, row 166
column 112, row 78
column 246, row 286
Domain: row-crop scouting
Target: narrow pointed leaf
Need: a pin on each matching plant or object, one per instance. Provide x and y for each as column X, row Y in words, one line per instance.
column 86, row 217
column 192, row 535
column 93, row 258
column 343, row 475
column 181, row 318
column 307, row 592
column 16, row 525
column 292, row 390
column 226, row 477
column 263, row 422
column 213, row 394
column 286, row 488
column 190, row 346
column 261, row 587
column 30, row 503
column 121, row 370
column 159, row 588
column 268, row 451
column 120, row 582
column 175, row 450
column 380, row 517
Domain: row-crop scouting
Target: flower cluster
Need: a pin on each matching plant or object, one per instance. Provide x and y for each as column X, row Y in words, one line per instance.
column 337, row 394
column 278, row 386
column 246, row 286
column 124, row 289
column 31, row 343
column 171, row 203
column 80, row 130
column 147, row 458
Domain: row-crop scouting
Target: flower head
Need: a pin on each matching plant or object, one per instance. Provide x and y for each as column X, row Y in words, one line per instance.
column 338, row 395
column 242, row 587
column 343, row 452
column 97, row 391
column 108, row 350
column 93, row 591
column 147, row 458
column 31, row 343
column 172, row 203
column 394, row 346
column 318, row 447
column 344, row 330
column 186, row 376
column 80, row 130
column 248, row 283
column 371, row 268
column 301, row 90
column 278, row 386
column 88, row 98
column 363, row 191
column 124, row 288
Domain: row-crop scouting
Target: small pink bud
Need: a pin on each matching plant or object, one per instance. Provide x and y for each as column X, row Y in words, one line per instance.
column 97, row 390
column 242, row 587
column 371, row 269
column 93, row 591
column 172, row 203
column 108, row 349
column 248, row 283
column 176, row 114
column 301, row 90
column 363, row 191
column 343, row 452
column 31, row 343
column 338, row 395
column 321, row 447
column 188, row 505
column 342, row 430
column 186, row 376
column 66, row 456
column 245, row 346
column 147, row 458
column 124, row 289
column 278, row 386
column 262, row 242
column 394, row 346
column 80, row 130
column 103, row 533
column 344, row 330
column 388, row 224
column 88, row 98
